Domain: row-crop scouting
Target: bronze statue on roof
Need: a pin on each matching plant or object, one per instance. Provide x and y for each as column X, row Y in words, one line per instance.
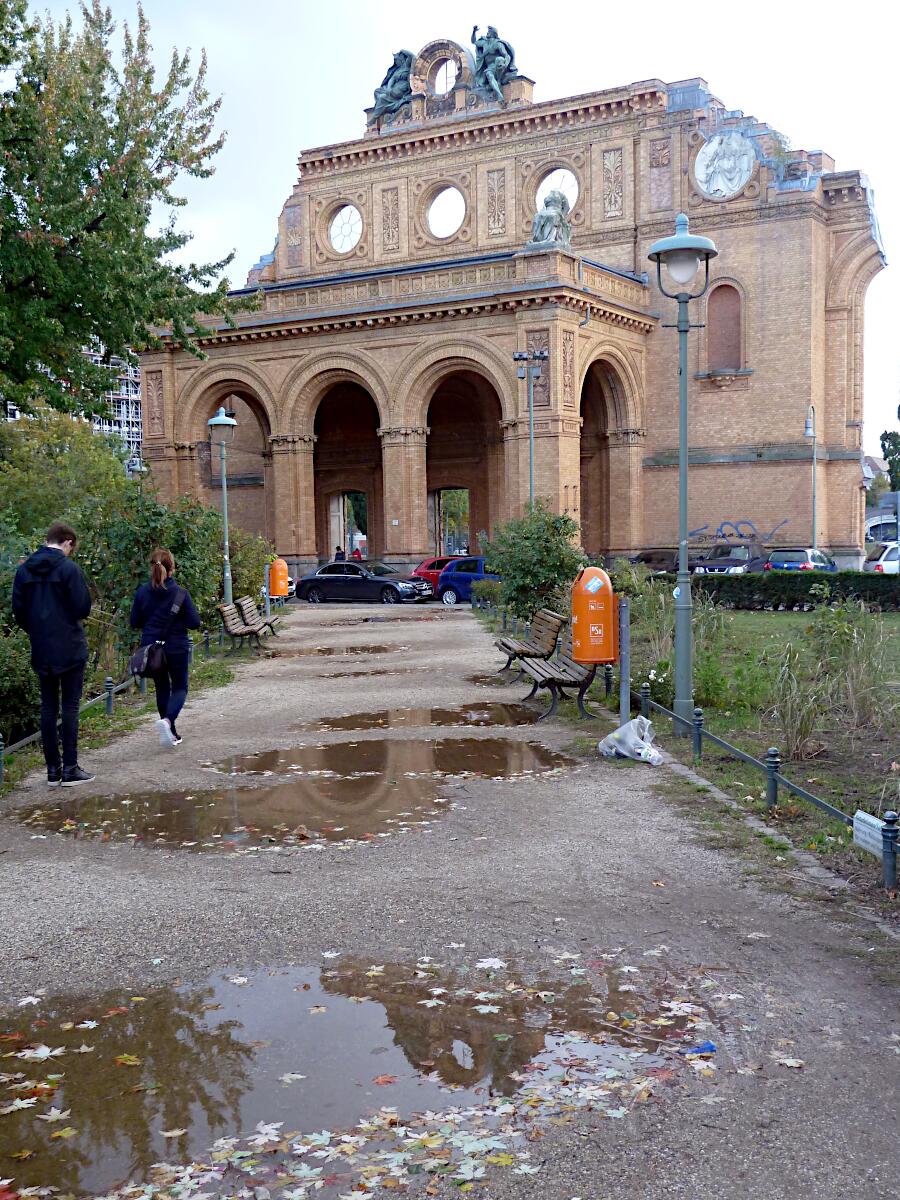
column 396, row 89
column 495, row 61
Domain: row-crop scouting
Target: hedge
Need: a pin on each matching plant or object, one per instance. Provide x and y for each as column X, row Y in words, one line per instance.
column 794, row 589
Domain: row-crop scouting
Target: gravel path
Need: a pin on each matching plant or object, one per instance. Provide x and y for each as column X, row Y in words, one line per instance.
column 570, row 861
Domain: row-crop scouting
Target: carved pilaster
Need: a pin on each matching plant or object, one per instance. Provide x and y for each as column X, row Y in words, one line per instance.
column 405, row 490
column 295, row 500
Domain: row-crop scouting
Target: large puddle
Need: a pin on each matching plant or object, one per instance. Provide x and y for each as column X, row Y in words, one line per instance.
column 324, row 1078
column 476, row 715
column 344, row 792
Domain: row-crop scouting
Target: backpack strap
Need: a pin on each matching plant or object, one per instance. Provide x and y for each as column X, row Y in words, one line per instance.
column 180, row 595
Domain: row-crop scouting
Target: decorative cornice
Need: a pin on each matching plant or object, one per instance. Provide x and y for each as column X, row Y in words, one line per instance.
column 404, row 433
column 409, row 142
column 286, row 441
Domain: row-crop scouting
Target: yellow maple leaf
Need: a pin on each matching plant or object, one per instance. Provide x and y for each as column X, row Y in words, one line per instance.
column 66, row 1132
column 127, row 1060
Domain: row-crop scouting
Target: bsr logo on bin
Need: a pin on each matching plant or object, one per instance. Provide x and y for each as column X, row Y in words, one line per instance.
column 596, row 633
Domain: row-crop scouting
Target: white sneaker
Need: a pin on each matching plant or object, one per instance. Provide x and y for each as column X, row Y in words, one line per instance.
column 166, row 738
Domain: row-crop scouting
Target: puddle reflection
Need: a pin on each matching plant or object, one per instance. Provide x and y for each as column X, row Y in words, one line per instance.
column 339, row 793
column 157, row 1078
column 476, row 715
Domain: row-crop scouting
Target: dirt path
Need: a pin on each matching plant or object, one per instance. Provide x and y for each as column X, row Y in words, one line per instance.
column 524, row 870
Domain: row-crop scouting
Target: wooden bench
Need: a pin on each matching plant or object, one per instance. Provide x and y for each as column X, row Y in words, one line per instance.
column 559, row 675
column 237, row 628
column 246, row 606
column 541, row 640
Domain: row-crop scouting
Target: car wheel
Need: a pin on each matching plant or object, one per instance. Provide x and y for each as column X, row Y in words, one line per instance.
column 389, row 595
column 449, row 596
column 315, row 596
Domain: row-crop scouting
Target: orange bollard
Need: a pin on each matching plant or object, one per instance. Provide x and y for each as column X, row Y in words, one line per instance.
column 278, row 578
column 595, row 618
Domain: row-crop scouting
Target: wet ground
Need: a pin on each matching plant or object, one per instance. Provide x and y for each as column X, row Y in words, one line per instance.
column 570, row 897
column 341, row 792
column 108, row 1085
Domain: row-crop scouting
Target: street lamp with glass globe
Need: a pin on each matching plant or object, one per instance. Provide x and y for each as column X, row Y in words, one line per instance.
column 221, row 434
column 682, row 255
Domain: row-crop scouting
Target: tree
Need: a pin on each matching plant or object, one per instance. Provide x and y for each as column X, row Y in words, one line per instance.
column 877, row 489
column 91, row 152
column 890, row 448
column 536, row 559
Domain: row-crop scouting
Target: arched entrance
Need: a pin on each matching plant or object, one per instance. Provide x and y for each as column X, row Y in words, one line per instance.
column 347, row 472
column 464, row 462
column 605, row 483
column 251, row 501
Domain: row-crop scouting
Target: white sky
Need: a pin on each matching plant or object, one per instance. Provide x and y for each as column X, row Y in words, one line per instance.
column 296, row 74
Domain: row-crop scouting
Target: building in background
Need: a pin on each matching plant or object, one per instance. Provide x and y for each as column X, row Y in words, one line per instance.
column 468, row 223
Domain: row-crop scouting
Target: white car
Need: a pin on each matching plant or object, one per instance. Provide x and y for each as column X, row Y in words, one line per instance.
column 883, row 557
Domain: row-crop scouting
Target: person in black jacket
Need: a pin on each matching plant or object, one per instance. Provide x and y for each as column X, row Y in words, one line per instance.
column 152, row 612
column 50, row 600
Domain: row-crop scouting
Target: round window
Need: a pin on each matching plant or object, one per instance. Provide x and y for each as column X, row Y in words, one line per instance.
column 445, row 77
column 446, row 212
column 560, row 180
column 345, row 228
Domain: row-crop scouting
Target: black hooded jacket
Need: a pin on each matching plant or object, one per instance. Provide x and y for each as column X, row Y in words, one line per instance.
column 50, row 600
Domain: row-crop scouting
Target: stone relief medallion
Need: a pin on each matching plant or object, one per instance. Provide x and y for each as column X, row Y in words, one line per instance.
column 724, row 164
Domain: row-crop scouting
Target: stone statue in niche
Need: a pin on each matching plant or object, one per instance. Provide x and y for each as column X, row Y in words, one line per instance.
column 495, row 61
column 551, row 225
column 396, row 89
column 724, row 164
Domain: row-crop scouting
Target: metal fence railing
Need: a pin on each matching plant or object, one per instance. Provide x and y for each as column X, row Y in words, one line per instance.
column 770, row 767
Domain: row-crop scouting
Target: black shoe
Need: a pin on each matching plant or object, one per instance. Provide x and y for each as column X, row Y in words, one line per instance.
column 73, row 775
column 54, row 776
column 177, row 739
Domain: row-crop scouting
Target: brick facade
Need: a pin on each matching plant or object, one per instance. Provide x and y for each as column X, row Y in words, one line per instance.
column 387, row 368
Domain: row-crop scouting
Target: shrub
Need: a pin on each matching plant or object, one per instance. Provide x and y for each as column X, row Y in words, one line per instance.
column 536, row 560
column 20, row 695
column 711, row 684
column 661, row 678
column 629, row 579
column 488, row 590
column 653, row 617
column 850, row 649
column 797, row 705
column 797, row 589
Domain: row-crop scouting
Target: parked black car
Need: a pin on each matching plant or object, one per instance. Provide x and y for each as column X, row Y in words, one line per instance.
column 361, row 581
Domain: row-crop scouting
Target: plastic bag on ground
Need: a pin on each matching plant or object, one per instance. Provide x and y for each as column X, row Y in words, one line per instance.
column 632, row 740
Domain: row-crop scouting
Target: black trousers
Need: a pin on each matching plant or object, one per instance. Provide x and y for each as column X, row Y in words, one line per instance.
column 61, row 691
column 172, row 685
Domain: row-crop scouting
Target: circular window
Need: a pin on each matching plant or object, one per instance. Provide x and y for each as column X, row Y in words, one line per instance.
column 345, row 228
column 446, row 77
column 446, row 212
column 560, row 180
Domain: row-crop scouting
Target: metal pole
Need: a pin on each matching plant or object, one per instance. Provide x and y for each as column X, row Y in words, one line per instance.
column 624, row 660
column 684, row 689
column 889, row 850
column 268, row 575
column 531, row 374
column 815, row 544
column 227, row 570
column 773, row 765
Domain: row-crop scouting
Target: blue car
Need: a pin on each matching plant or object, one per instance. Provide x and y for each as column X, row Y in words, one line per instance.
column 793, row 559
column 456, row 579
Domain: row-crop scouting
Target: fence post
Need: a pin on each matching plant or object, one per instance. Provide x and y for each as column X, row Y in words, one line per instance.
column 645, row 699
column 206, row 642
column 190, row 653
column 624, row 660
column 607, row 679
column 889, row 835
column 1, row 757
column 504, row 621
column 142, row 684
column 773, row 763
column 108, row 686
column 698, row 734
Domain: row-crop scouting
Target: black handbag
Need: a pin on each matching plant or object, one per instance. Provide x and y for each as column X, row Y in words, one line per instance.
column 150, row 661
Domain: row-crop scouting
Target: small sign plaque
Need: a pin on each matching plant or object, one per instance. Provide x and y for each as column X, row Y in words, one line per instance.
column 594, row 585
column 867, row 832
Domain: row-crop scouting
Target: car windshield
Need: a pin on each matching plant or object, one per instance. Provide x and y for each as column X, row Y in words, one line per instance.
column 739, row 552
column 376, row 568
column 876, row 552
column 788, row 556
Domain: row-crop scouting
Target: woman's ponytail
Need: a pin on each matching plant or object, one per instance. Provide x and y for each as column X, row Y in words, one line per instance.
column 162, row 564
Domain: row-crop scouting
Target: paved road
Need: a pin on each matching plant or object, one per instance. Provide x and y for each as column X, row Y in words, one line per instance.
column 514, row 870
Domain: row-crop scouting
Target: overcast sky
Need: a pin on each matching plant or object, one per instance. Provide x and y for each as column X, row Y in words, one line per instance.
column 297, row 73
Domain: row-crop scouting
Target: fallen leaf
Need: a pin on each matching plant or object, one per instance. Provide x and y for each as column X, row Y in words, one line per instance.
column 790, row 1062
column 66, row 1133
column 385, row 1080
column 172, row 1133
column 127, row 1060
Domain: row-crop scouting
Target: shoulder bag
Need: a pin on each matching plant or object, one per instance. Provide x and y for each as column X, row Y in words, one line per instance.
column 149, row 661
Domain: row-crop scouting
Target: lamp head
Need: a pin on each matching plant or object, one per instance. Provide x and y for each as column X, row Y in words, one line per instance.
column 682, row 254
column 520, row 356
column 221, row 428
column 809, row 429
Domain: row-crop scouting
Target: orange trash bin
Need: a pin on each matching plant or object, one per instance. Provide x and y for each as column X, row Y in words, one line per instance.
column 278, row 578
column 595, row 618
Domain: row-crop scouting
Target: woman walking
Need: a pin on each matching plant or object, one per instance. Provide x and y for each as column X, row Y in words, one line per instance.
column 164, row 611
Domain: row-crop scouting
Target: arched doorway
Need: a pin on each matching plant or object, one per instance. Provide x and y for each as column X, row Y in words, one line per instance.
column 604, row 489
column 251, row 502
column 347, row 472
column 464, row 463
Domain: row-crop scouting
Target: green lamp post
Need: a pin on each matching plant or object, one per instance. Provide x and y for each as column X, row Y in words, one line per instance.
column 221, row 434
column 682, row 256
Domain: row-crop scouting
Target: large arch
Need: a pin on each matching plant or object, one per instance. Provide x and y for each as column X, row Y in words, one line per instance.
column 609, row 477
column 208, row 388
column 347, row 459
column 421, row 372
column 309, row 382
column 464, row 451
